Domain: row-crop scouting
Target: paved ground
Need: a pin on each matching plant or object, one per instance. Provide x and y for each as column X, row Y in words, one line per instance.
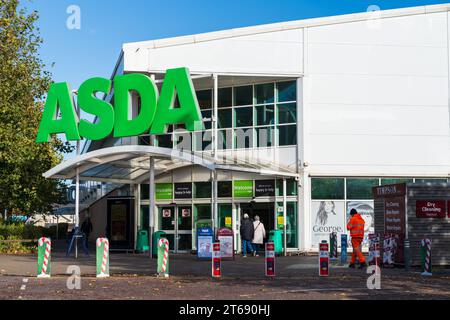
column 133, row 277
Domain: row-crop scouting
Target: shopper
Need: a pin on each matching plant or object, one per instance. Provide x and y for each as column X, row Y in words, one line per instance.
column 86, row 228
column 247, row 231
column 356, row 228
column 259, row 235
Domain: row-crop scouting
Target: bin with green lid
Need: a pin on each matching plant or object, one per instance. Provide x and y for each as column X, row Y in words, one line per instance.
column 276, row 236
column 156, row 236
column 142, row 244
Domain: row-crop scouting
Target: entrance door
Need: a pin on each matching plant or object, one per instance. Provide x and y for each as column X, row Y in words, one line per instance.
column 120, row 224
column 176, row 222
column 265, row 211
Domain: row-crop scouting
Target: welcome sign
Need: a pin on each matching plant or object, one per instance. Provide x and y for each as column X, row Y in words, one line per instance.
column 156, row 112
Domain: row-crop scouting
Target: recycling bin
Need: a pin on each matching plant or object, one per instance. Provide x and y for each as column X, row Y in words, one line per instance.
column 142, row 244
column 205, row 240
column 276, row 236
column 156, row 236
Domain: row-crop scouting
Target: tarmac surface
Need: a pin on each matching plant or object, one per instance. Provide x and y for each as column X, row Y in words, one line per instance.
column 133, row 277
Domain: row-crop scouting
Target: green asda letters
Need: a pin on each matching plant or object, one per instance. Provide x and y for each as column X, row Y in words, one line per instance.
column 154, row 115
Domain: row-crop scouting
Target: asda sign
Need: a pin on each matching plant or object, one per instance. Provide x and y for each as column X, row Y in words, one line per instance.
column 155, row 114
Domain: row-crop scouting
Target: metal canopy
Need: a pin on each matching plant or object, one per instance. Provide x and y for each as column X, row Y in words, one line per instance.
column 130, row 164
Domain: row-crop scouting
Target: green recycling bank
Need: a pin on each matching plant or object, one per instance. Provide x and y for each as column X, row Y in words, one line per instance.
column 286, row 121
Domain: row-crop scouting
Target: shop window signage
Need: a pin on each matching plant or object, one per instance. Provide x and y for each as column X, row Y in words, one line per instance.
column 183, row 190
column 243, row 189
column 157, row 110
column 163, row 191
column 265, row 188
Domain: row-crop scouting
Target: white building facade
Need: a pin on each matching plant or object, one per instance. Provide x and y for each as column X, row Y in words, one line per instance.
column 345, row 103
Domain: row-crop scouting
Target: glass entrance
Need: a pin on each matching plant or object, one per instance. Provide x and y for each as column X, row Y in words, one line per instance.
column 176, row 222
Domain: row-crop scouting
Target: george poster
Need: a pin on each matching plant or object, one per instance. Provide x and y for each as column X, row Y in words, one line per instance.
column 327, row 217
column 365, row 209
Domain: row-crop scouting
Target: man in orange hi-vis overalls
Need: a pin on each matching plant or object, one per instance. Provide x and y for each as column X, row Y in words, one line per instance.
column 356, row 228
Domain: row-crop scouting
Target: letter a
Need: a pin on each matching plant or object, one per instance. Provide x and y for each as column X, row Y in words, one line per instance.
column 58, row 95
column 177, row 81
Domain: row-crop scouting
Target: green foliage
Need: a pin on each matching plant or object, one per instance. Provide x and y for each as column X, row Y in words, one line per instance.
column 23, row 83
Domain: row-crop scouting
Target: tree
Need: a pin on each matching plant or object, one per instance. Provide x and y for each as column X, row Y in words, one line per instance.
column 23, row 84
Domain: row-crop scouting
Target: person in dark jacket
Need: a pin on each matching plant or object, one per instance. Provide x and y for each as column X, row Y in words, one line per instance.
column 86, row 228
column 247, row 232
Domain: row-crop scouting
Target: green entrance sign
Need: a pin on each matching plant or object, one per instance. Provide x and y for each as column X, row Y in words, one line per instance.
column 164, row 191
column 243, row 189
column 156, row 112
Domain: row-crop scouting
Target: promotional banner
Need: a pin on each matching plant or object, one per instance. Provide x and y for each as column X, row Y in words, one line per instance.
column 327, row 217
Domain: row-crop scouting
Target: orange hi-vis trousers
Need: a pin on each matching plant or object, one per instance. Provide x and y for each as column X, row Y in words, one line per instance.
column 357, row 251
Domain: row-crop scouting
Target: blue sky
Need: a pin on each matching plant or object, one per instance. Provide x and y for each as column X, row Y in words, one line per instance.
column 93, row 50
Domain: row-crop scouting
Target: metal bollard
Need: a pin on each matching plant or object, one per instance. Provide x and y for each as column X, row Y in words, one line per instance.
column 324, row 259
column 102, row 245
column 44, row 258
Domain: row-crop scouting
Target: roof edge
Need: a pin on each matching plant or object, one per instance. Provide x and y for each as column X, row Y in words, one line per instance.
column 289, row 25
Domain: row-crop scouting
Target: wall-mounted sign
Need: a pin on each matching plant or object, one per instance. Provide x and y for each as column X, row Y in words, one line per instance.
column 430, row 209
column 163, row 191
column 394, row 215
column 265, row 188
column 183, row 190
column 155, row 114
column 228, row 222
column 243, row 189
column 327, row 217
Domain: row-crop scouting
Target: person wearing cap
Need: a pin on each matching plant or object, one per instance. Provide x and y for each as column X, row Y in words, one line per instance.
column 247, row 232
column 356, row 228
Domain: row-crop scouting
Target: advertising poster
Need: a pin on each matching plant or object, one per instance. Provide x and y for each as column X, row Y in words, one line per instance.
column 327, row 217
column 226, row 246
column 204, row 247
column 365, row 209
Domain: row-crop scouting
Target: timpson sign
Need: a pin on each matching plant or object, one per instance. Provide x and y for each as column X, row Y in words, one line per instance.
column 394, row 201
column 156, row 111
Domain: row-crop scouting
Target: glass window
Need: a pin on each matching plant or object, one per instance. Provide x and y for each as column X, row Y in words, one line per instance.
column 360, row 189
column 265, row 115
column 265, row 137
column 431, row 180
column 225, row 97
column 243, row 117
column 287, row 113
column 164, row 141
column 145, row 192
column 224, row 189
column 244, row 138
column 183, row 141
column 225, row 139
column 291, row 186
column 203, row 141
column 287, row 91
column 202, row 190
column 291, row 225
column 204, row 98
column 265, row 93
column 395, row 181
column 327, row 188
column 202, row 211
column 243, row 96
column 225, row 118
column 225, row 216
column 207, row 114
column 287, row 135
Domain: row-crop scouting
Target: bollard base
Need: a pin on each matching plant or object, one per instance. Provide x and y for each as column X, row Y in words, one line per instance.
column 426, row 274
column 103, row 275
column 163, row 275
column 43, row 276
